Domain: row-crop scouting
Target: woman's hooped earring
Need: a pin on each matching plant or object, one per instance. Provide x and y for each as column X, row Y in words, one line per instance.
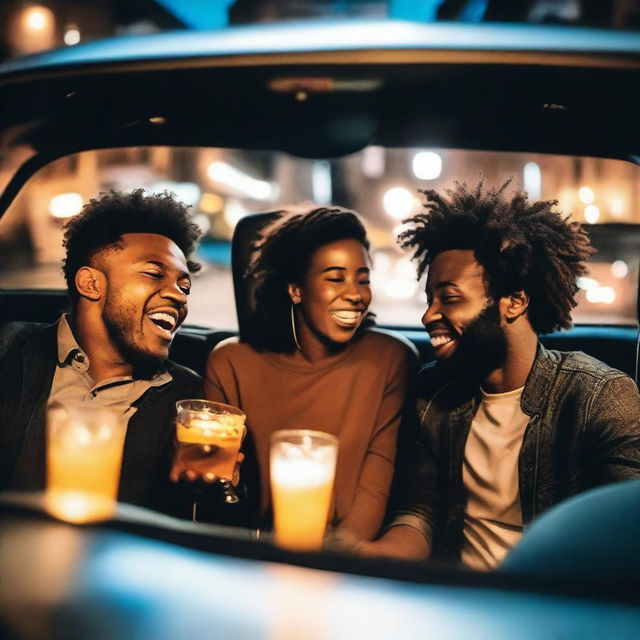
column 293, row 329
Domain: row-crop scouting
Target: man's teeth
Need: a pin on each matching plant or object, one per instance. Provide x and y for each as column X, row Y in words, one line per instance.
column 440, row 340
column 163, row 320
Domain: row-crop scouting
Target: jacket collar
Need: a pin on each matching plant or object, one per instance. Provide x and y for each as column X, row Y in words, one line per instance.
column 68, row 346
column 539, row 381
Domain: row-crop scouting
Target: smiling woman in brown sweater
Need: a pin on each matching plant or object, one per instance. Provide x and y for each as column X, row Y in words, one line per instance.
column 312, row 363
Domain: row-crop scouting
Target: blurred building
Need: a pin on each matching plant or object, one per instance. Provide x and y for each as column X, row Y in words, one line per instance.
column 33, row 26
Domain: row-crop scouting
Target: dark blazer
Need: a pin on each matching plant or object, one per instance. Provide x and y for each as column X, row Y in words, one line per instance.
column 26, row 375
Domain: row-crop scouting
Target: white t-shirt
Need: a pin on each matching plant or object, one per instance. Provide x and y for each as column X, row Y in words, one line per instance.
column 493, row 517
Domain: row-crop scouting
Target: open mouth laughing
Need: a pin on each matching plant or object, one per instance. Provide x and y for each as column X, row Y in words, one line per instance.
column 442, row 342
column 165, row 323
column 347, row 318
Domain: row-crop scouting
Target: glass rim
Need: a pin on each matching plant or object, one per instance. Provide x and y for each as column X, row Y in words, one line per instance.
column 227, row 407
column 281, row 434
column 79, row 405
column 63, row 415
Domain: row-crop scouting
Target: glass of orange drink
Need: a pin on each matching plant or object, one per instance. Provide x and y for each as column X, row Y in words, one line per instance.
column 303, row 465
column 209, row 435
column 84, row 457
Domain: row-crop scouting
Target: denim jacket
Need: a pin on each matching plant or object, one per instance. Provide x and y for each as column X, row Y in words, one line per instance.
column 583, row 431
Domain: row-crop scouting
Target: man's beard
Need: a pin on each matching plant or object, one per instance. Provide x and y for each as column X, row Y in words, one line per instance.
column 481, row 348
column 120, row 328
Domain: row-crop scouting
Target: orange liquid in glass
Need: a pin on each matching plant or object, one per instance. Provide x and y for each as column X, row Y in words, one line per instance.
column 82, row 482
column 209, row 446
column 300, row 515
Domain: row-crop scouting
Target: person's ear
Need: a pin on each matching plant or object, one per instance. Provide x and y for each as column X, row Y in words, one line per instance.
column 515, row 305
column 90, row 283
column 295, row 293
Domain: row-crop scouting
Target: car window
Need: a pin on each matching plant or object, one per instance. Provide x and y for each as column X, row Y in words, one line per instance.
column 223, row 185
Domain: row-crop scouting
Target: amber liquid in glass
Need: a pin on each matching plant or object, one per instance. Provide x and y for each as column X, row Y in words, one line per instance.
column 82, row 479
column 210, row 446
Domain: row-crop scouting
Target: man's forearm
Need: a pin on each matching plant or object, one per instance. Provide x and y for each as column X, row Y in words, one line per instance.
column 402, row 541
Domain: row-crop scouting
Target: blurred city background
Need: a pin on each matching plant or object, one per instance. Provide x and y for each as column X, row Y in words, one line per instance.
column 222, row 185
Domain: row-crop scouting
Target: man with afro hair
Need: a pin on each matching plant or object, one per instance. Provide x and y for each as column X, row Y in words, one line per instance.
column 505, row 428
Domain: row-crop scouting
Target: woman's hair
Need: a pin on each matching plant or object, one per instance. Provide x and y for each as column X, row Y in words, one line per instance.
column 521, row 245
column 105, row 219
column 282, row 255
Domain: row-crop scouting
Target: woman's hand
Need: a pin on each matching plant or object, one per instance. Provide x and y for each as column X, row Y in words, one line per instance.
column 401, row 542
column 341, row 539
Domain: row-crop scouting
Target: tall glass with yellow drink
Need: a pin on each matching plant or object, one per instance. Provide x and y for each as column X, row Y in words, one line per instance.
column 84, row 457
column 303, row 465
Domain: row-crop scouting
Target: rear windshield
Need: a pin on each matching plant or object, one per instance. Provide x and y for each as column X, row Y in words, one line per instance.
column 382, row 184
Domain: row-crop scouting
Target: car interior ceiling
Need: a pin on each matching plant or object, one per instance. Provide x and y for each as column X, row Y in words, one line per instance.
column 519, row 107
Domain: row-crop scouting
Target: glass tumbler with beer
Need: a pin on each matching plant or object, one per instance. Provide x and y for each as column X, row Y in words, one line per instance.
column 303, row 465
column 84, row 456
column 209, row 435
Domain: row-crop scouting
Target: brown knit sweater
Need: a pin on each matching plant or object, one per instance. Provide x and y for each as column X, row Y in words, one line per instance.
column 357, row 395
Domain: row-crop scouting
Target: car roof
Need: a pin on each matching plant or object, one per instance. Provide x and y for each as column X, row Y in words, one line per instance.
column 584, row 46
column 328, row 89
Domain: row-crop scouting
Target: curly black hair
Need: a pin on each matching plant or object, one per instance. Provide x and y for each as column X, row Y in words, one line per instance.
column 282, row 255
column 521, row 245
column 105, row 219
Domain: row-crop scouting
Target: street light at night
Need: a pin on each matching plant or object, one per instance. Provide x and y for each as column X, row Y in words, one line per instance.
column 239, row 182
column 65, row 205
column 32, row 30
column 591, row 213
column 617, row 207
column 427, row 165
column 35, row 18
column 71, row 36
column 398, row 202
column 586, row 195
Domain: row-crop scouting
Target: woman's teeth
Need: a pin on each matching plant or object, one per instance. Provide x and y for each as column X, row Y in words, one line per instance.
column 347, row 317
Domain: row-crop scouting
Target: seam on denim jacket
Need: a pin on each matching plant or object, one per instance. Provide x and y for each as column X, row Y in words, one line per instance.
column 588, row 367
column 602, row 383
column 420, row 517
column 433, row 397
